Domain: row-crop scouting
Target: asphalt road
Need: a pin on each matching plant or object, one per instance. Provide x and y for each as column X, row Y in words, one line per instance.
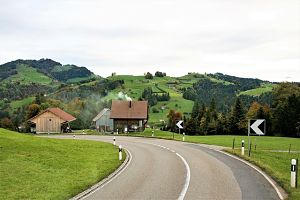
column 164, row 169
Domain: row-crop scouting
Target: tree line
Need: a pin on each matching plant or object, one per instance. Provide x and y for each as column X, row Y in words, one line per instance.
column 153, row 98
column 282, row 116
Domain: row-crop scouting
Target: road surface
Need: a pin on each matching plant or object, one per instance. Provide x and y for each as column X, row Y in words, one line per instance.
column 165, row 169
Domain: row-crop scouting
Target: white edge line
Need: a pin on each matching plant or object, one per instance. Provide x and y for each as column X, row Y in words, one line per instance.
column 250, row 165
column 259, row 171
column 110, row 180
column 187, row 179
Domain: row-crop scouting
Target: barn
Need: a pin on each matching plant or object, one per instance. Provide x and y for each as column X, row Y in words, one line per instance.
column 102, row 121
column 129, row 116
column 51, row 120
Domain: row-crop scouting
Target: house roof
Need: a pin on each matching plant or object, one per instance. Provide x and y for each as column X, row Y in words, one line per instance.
column 59, row 113
column 129, row 110
column 101, row 114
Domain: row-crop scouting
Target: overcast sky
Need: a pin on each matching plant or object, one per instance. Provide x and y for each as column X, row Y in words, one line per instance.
column 247, row 38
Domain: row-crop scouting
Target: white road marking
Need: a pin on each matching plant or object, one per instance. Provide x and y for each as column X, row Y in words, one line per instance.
column 187, row 179
column 250, row 165
column 110, row 180
column 259, row 171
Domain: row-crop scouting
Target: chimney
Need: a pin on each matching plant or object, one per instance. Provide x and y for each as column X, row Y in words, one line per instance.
column 130, row 104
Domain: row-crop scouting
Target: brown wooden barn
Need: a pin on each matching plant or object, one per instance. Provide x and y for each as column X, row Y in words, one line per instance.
column 129, row 115
column 52, row 120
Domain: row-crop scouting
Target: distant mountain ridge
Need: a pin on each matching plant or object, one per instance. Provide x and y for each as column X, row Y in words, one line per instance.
column 48, row 67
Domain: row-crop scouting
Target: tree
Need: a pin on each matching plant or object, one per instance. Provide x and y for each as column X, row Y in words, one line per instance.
column 286, row 109
column 160, row 74
column 6, row 123
column 32, row 110
column 237, row 123
column 173, row 117
column 195, row 110
column 259, row 111
column 148, row 75
column 213, row 110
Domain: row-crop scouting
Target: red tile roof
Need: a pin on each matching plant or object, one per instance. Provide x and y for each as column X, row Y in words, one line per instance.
column 59, row 113
column 129, row 110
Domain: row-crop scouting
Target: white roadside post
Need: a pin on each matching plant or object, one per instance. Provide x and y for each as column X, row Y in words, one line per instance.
column 183, row 134
column 152, row 133
column 117, row 131
column 114, row 141
column 120, row 152
column 293, row 173
column 243, row 147
column 74, row 136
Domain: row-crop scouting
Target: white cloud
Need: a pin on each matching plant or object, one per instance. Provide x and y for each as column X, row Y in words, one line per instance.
column 250, row 38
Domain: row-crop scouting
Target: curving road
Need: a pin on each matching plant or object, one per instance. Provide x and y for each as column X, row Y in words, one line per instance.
column 165, row 169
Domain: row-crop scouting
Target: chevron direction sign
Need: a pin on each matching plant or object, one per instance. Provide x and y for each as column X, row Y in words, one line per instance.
column 179, row 124
column 257, row 127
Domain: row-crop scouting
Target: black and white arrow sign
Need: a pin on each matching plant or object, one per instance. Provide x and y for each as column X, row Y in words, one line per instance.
column 257, row 126
column 179, row 124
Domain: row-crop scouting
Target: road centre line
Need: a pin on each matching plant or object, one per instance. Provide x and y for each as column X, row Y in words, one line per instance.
column 187, row 167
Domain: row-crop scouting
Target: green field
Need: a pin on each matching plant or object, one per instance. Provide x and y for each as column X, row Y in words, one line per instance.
column 271, row 153
column 19, row 103
column 40, row 168
column 258, row 91
column 27, row 75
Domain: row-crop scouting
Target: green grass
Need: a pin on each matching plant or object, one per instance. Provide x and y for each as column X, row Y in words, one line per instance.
column 41, row 168
column 27, row 75
column 78, row 79
column 258, row 91
column 276, row 164
column 19, row 103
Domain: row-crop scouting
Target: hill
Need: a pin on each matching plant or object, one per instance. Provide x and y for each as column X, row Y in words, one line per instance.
column 42, row 71
column 80, row 92
column 24, row 78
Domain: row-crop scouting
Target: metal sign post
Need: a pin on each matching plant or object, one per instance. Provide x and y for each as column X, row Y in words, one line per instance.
column 179, row 125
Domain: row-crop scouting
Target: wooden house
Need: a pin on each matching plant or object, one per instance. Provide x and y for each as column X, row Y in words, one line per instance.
column 51, row 120
column 102, row 121
column 129, row 116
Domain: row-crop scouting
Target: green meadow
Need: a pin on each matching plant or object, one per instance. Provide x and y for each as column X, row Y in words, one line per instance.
column 42, row 168
column 27, row 75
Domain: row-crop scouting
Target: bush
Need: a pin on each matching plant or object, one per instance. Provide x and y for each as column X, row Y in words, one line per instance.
column 155, row 110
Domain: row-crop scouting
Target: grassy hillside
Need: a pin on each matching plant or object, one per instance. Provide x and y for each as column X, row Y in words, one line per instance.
column 40, row 168
column 134, row 86
column 27, row 75
column 266, row 87
column 19, row 103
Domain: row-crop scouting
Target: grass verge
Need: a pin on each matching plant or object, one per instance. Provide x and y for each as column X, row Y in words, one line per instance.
column 42, row 168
